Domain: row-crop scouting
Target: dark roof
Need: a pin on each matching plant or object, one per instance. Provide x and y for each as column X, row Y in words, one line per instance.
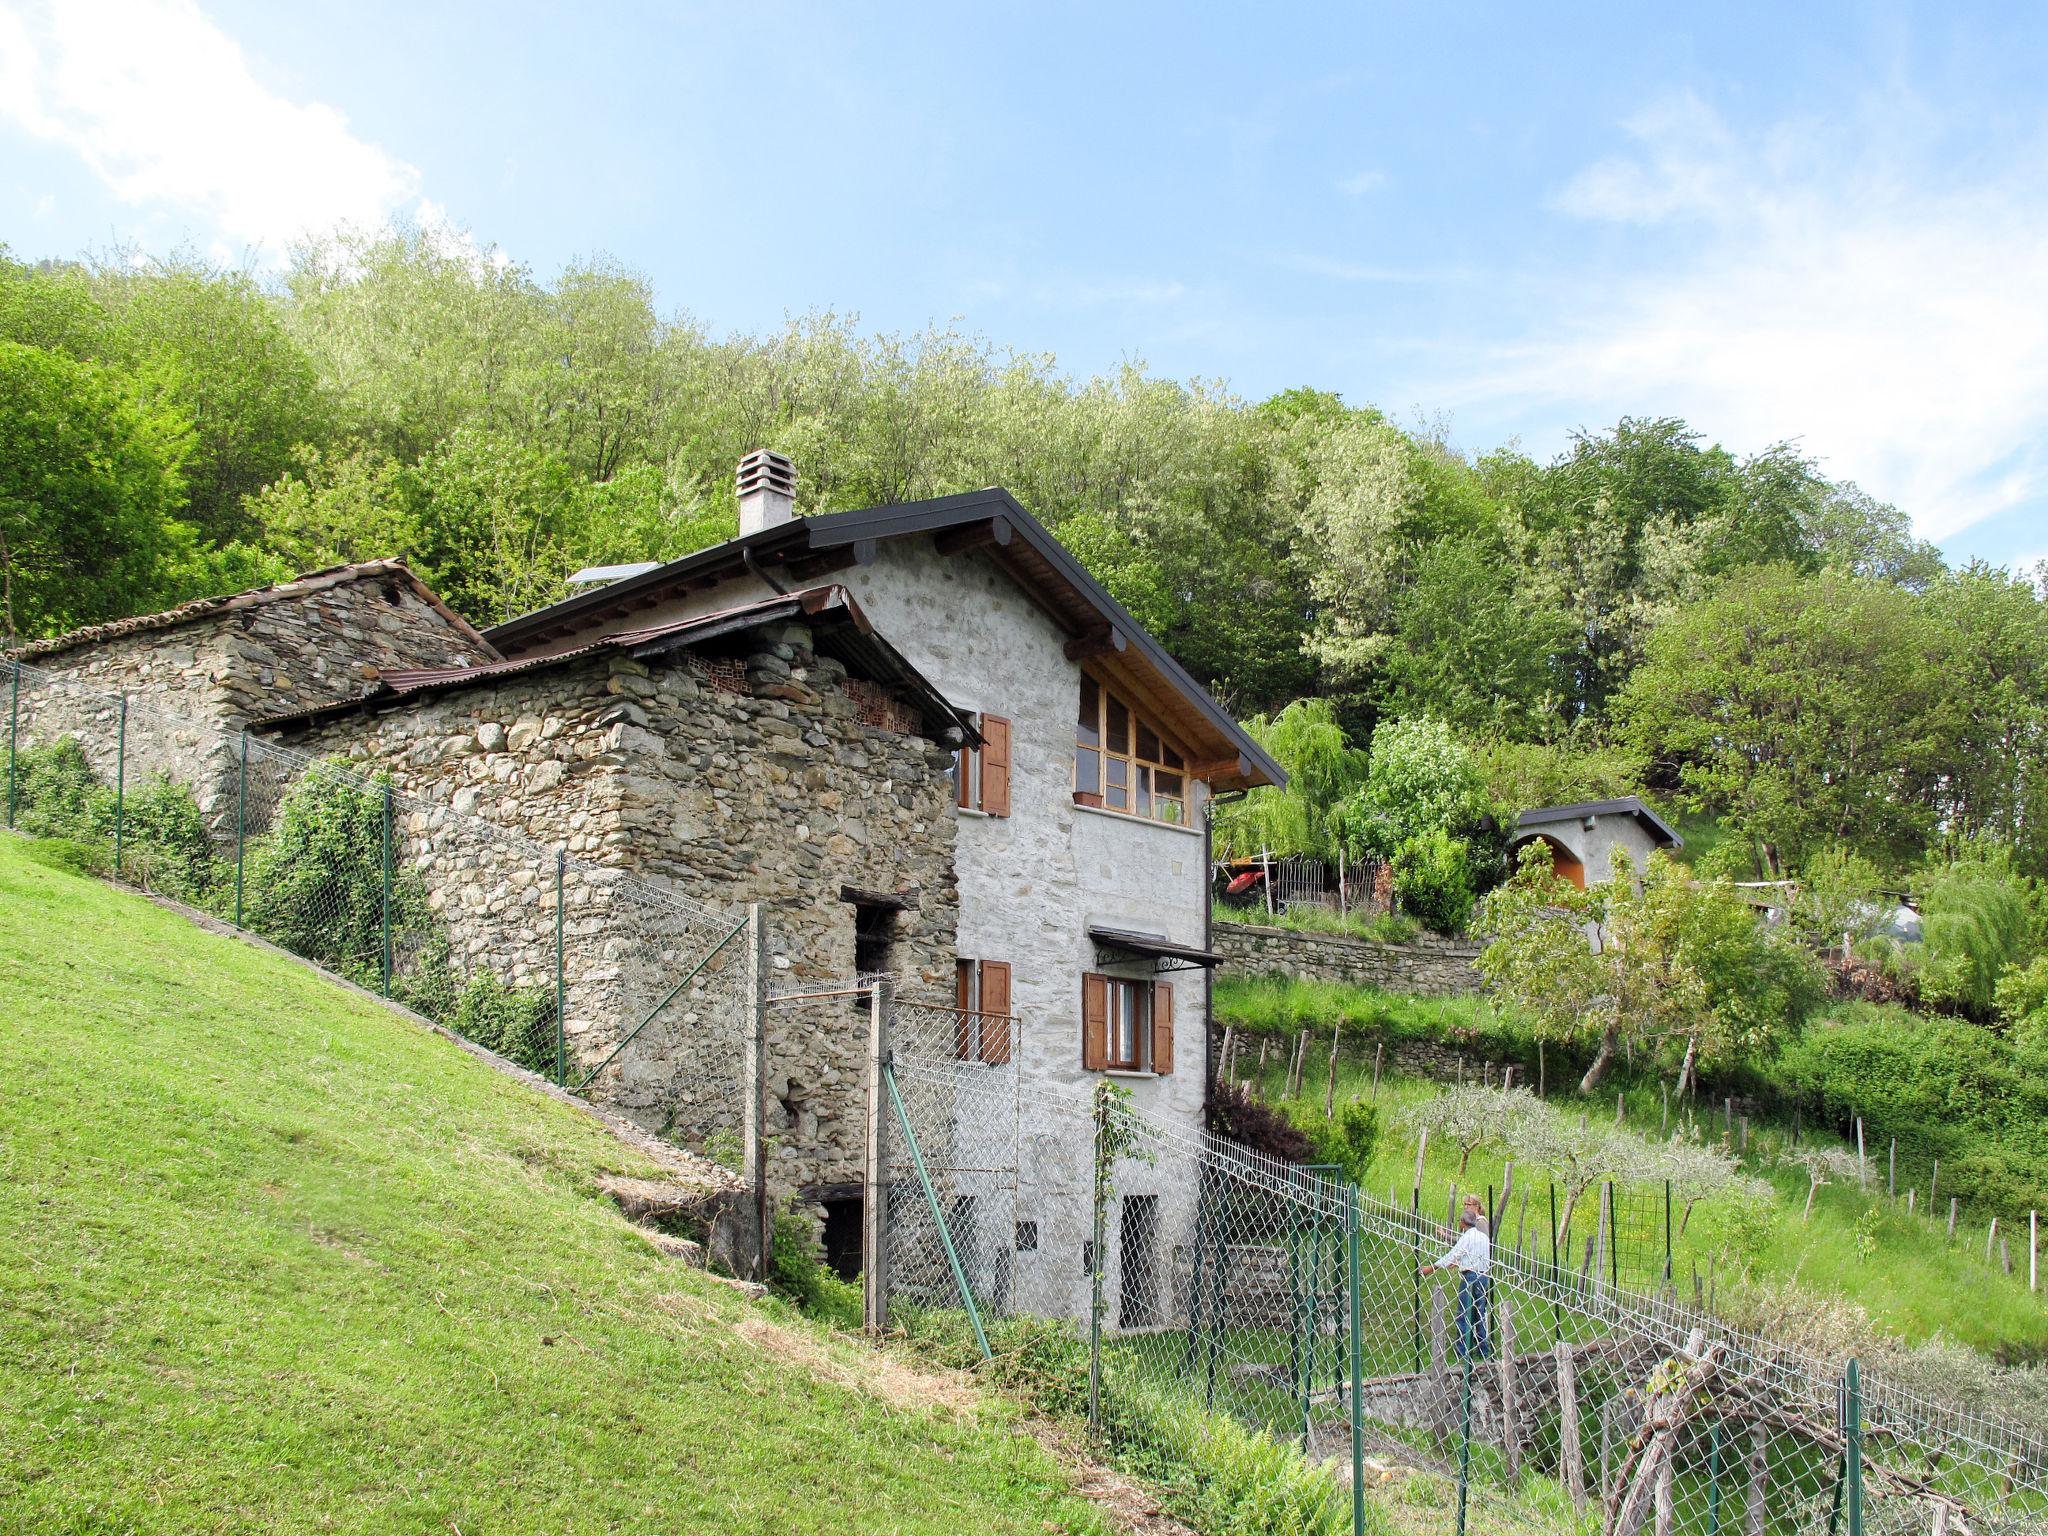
column 1152, row 946
column 1075, row 601
column 1627, row 805
column 278, row 591
column 839, row 629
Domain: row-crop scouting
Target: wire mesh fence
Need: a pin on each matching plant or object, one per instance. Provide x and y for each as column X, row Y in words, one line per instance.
column 606, row 981
column 1207, row 1281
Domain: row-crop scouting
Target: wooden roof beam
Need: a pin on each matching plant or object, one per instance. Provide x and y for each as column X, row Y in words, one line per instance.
column 1105, row 640
column 996, row 532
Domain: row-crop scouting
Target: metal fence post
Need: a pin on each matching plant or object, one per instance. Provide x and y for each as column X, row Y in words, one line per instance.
column 120, row 785
column 1714, row 1482
column 1852, row 1445
column 241, row 823
column 1356, row 1370
column 1667, row 1231
column 1095, row 1266
column 561, row 990
column 385, row 968
column 13, row 730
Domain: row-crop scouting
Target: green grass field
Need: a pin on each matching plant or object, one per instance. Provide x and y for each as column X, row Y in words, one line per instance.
column 1913, row 1282
column 274, row 1259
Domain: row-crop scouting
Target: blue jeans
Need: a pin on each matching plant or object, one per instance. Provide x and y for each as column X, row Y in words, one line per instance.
column 1475, row 1304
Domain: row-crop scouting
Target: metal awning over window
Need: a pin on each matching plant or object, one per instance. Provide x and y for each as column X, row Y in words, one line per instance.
column 1115, row 946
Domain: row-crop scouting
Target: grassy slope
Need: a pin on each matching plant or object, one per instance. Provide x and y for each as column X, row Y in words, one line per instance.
column 274, row 1259
column 1914, row 1284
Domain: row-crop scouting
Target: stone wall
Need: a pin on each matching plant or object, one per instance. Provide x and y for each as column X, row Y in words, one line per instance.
column 1427, row 967
column 681, row 792
column 195, row 676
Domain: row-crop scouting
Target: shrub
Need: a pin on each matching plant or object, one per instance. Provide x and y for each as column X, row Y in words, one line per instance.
column 1434, row 880
column 516, row 1022
column 797, row 1270
column 1237, row 1115
column 1349, row 1140
column 165, row 846
column 316, row 880
column 57, row 794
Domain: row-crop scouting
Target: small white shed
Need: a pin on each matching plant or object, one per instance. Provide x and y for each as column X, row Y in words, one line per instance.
column 1583, row 837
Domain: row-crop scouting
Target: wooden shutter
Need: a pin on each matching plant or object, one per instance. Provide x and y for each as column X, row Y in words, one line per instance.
column 995, row 765
column 1162, row 1027
column 1094, row 1023
column 995, row 1011
column 969, row 789
column 963, row 999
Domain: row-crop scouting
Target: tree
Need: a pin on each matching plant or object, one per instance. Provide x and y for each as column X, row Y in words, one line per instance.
column 1420, row 780
column 89, row 488
column 1978, row 918
column 1676, row 961
column 1578, row 1153
column 1309, row 814
column 1824, row 1165
column 1470, row 1116
column 1807, row 710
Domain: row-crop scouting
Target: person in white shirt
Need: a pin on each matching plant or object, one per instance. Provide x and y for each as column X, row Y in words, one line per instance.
column 1472, row 1257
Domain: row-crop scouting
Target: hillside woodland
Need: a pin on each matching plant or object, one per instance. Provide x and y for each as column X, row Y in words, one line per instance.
column 1430, row 639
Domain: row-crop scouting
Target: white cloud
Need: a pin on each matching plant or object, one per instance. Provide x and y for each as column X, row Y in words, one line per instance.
column 1361, row 183
column 165, row 109
column 1825, row 279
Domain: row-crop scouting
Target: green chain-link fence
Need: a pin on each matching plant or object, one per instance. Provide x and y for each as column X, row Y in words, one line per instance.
column 604, row 981
column 1205, row 1282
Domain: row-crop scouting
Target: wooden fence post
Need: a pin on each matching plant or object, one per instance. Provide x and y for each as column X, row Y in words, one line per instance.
column 1568, row 1427
column 1510, row 1429
column 1379, row 1053
column 1755, row 1504
column 1330, row 1092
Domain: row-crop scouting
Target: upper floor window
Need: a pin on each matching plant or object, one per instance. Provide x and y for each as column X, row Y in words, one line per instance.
column 981, row 775
column 1123, row 762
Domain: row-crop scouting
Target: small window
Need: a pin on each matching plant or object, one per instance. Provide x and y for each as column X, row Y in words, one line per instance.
column 1130, row 1022
column 1088, row 1256
column 874, row 938
column 1027, row 1237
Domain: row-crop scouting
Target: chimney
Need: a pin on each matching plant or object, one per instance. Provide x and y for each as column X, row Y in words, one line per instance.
column 767, row 487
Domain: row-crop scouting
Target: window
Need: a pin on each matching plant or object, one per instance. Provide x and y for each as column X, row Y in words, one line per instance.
column 1027, row 1237
column 981, row 775
column 1126, row 1025
column 874, row 935
column 981, row 998
column 1123, row 763
column 1130, row 1016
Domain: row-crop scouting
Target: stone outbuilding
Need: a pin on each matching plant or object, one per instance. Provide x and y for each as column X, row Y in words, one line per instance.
column 779, row 751
column 1583, row 838
column 197, row 674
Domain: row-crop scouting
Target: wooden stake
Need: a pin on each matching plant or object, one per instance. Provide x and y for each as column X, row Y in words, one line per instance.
column 1859, row 1149
column 1990, row 1237
column 1891, row 1176
column 2033, row 1250
column 1951, row 1218
column 1759, row 1482
column 1330, row 1092
column 1223, row 1056
column 1421, row 1151
column 1568, row 1427
column 1542, row 1079
column 1664, row 1119
column 1510, row 1427
column 1378, row 1054
column 1620, row 1107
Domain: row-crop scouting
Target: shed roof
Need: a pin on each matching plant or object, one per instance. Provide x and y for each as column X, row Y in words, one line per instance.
column 257, row 597
column 1589, row 810
column 990, row 521
column 839, row 627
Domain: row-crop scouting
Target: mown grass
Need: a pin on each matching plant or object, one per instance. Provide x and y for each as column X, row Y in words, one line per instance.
column 1912, row 1281
column 273, row 1259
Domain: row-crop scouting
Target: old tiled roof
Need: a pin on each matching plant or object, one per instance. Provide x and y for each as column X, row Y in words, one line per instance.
column 298, row 586
column 842, row 630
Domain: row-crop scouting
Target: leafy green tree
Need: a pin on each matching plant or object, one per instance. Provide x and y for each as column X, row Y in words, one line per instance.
column 89, row 489
column 1420, row 780
column 1979, row 917
column 1804, row 709
column 1434, row 880
column 1309, row 815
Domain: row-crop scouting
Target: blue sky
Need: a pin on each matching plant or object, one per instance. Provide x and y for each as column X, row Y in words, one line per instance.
column 1814, row 221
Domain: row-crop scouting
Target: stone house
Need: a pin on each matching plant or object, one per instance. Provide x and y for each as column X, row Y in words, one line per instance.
column 1583, row 838
column 779, row 751
column 197, row 674
column 1079, row 818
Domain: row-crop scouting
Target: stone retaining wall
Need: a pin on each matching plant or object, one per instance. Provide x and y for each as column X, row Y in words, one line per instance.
column 1428, row 967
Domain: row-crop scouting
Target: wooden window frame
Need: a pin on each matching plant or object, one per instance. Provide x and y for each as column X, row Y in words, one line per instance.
column 981, row 1033
column 1140, row 772
column 981, row 775
column 1104, row 999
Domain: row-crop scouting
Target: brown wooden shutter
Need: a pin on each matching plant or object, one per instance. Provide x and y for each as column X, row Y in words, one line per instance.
column 995, row 765
column 1094, row 1023
column 1162, row 1027
column 963, row 999
column 969, row 789
column 995, row 1011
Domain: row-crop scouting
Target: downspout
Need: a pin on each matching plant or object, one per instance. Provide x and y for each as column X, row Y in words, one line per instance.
column 1209, row 946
